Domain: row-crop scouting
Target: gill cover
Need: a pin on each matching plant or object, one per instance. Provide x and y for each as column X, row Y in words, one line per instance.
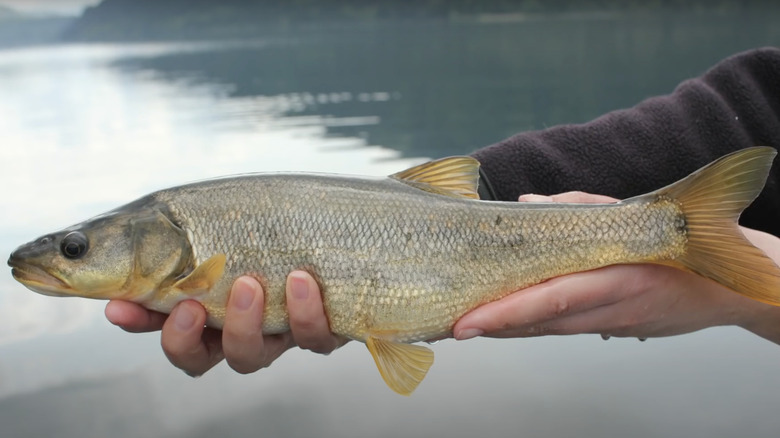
column 161, row 253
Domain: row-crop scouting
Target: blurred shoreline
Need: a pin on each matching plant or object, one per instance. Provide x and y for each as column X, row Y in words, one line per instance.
column 180, row 20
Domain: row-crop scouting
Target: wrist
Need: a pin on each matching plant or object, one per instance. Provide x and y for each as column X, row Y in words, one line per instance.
column 764, row 321
column 759, row 318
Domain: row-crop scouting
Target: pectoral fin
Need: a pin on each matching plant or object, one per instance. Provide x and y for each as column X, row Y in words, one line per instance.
column 203, row 277
column 402, row 366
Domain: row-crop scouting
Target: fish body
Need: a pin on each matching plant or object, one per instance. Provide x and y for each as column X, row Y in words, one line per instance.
column 393, row 258
column 398, row 259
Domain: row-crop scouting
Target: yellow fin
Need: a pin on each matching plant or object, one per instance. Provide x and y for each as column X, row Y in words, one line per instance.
column 712, row 200
column 457, row 177
column 402, row 366
column 204, row 276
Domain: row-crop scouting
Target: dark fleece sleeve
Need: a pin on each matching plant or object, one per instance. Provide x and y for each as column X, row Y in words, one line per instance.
column 624, row 153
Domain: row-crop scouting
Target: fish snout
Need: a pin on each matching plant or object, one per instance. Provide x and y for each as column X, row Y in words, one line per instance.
column 24, row 262
column 19, row 255
column 34, row 249
column 22, row 255
column 17, row 266
column 14, row 261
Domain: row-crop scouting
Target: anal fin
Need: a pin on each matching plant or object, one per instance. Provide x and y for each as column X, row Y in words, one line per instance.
column 402, row 366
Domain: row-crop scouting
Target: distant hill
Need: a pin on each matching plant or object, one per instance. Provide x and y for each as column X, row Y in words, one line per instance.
column 198, row 19
column 6, row 13
column 183, row 19
column 19, row 29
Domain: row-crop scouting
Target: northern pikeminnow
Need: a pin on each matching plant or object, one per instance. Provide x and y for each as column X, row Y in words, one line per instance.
column 398, row 259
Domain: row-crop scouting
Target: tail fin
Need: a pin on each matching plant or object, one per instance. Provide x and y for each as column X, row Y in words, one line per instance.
column 712, row 200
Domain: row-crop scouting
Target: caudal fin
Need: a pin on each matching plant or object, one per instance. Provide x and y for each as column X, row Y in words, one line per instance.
column 712, row 200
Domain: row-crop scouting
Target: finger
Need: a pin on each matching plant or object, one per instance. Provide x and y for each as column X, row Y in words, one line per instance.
column 582, row 198
column 185, row 342
column 308, row 322
column 133, row 318
column 547, row 301
column 534, row 198
column 246, row 350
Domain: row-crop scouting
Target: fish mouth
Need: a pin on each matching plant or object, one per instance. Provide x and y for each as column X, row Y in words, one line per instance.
column 37, row 279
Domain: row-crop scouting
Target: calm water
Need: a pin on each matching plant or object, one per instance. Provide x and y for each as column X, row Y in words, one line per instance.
column 84, row 128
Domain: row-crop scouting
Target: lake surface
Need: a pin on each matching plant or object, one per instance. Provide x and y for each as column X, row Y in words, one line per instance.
column 84, row 128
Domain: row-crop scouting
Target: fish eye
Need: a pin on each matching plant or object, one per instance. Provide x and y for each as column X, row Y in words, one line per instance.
column 74, row 245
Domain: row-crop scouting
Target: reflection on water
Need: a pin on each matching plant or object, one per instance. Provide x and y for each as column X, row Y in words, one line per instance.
column 448, row 89
column 87, row 127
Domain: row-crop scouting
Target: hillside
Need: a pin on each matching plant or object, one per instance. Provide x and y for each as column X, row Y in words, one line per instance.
column 18, row 29
column 197, row 19
column 6, row 13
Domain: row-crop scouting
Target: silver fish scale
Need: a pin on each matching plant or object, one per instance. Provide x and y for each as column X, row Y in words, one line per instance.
column 398, row 262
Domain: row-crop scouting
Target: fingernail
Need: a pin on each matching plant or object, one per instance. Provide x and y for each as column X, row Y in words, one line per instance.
column 468, row 334
column 242, row 295
column 183, row 318
column 299, row 288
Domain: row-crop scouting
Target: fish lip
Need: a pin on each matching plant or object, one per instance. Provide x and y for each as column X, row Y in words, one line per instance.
column 36, row 278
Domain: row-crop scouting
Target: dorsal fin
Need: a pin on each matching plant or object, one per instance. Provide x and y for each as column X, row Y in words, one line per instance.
column 457, row 177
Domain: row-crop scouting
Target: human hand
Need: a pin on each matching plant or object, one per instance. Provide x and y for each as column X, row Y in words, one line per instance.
column 195, row 349
column 640, row 301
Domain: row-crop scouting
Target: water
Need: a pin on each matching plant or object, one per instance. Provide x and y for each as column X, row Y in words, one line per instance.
column 87, row 127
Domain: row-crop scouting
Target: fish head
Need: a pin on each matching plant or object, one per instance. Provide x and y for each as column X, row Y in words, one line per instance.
column 124, row 254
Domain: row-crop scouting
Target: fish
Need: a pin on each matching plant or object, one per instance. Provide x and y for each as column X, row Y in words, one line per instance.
column 398, row 259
